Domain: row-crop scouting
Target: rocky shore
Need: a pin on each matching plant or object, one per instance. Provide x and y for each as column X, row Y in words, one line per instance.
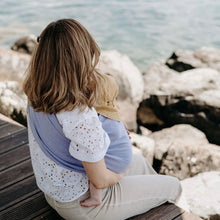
column 172, row 110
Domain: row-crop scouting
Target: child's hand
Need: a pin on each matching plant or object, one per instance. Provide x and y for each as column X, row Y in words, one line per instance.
column 127, row 131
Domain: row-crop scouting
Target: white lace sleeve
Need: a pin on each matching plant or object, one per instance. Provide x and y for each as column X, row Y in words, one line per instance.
column 89, row 142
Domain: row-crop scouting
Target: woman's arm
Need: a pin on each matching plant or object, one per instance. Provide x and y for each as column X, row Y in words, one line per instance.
column 99, row 175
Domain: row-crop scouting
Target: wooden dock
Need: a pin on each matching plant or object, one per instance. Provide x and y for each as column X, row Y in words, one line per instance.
column 20, row 198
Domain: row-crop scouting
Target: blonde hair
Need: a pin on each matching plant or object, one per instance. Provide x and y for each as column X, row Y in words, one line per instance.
column 61, row 74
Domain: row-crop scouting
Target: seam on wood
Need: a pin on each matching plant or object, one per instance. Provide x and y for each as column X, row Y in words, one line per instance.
column 15, row 129
column 12, row 183
column 9, row 138
column 19, row 200
column 15, row 164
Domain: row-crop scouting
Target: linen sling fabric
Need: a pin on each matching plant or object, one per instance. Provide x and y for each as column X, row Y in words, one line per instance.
column 49, row 135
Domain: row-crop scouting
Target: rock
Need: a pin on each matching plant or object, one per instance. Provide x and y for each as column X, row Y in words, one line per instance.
column 181, row 134
column 127, row 75
column 135, row 150
column 144, row 131
column 202, row 193
column 128, row 115
column 155, row 76
column 192, row 82
column 130, row 81
column 183, row 151
column 182, row 60
column 13, row 65
column 210, row 98
column 209, row 56
column 187, row 161
column 145, row 145
column 171, row 110
column 25, row 44
column 191, row 97
column 13, row 101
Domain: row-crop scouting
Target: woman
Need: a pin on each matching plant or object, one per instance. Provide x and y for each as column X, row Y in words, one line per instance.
column 66, row 138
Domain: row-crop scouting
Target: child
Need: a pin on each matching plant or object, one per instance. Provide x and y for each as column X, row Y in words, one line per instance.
column 108, row 110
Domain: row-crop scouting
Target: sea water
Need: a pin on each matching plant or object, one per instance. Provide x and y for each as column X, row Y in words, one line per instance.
column 145, row 30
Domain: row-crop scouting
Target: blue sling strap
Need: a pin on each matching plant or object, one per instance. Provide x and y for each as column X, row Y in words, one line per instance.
column 49, row 135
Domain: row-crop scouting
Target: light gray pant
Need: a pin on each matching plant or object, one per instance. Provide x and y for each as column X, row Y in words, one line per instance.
column 140, row 190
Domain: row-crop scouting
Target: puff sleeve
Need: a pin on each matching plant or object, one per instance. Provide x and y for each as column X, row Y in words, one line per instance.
column 89, row 142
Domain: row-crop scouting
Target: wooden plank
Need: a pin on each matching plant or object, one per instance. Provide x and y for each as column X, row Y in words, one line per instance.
column 18, row 192
column 2, row 123
column 9, row 129
column 13, row 141
column 16, row 173
column 49, row 215
column 187, row 216
column 14, row 156
column 37, row 213
column 26, row 209
column 165, row 211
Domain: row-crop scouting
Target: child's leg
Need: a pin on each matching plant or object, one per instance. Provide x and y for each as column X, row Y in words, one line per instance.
column 95, row 198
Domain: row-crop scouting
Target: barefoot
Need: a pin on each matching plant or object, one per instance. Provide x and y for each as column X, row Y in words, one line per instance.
column 90, row 202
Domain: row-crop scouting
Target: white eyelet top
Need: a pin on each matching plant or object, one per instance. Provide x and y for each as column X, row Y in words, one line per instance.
column 89, row 142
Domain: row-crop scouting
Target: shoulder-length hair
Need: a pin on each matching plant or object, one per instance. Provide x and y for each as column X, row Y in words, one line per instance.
column 61, row 74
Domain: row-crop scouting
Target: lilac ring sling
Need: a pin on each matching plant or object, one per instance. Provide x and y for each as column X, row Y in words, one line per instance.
column 48, row 133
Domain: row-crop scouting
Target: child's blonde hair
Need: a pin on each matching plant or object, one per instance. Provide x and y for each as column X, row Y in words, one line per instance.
column 62, row 71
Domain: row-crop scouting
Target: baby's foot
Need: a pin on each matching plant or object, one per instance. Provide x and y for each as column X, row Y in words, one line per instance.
column 90, row 202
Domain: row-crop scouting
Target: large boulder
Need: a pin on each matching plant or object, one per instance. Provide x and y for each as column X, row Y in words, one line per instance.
column 190, row 97
column 145, row 145
column 130, row 81
column 155, row 76
column 13, row 65
column 127, row 75
column 25, row 44
column 13, row 102
column 182, row 60
column 183, row 151
column 202, row 193
column 128, row 114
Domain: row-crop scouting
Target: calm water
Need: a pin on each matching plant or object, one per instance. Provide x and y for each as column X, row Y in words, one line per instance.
column 145, row 30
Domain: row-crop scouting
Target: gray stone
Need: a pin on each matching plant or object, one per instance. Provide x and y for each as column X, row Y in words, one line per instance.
column 184, row 151
column 202, row 193
column 191, row 97
column 128, row 114
column 145, row 145
column 13, row 65
column 130, row 81
column 127, row 75
column 13, row 101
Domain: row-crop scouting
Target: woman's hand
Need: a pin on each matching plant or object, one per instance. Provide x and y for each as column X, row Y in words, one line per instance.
column 99, row 175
